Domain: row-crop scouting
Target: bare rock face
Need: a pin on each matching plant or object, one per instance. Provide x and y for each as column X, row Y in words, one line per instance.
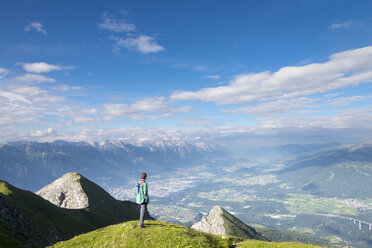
column 213, row 223
column 66, row 192
column 221, row 222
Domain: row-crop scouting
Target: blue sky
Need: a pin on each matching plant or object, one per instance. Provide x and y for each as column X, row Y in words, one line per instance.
column 267, row 72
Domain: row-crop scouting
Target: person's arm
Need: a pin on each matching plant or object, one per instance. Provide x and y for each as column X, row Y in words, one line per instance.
column 136, row 190
column 144, row 189
column 145, row 192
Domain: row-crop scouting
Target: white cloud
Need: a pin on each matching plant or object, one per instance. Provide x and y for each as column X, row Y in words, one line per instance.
column 332, row 95
column 234, row 136
column 65, row 88
column 156, row 104
column 139, row 110
column 201, row 68
column 30, row 91
column 274, row 107
column 24, row 103
column 153, row 104
column 115, row 25
column 14, row 97
column 117, row 109
column 343, row 101
column 213, row 76
column 7, row 119
column 143, row 44
column 42, row 67
column 31, row 78
column 343, row 69
column 37, row 26
column 348, row 119
column 344, row 25
column 43, row 133
column 45, row 99
column 3, row 72
column 199, row 122
column 159, row 116
column 82, row 119
column 15, row 108
column 79, row 114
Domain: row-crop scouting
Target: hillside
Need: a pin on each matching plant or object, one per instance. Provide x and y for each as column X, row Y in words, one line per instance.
column 262, row 244
column 27, row 220
column 80, row 192
column 278, row 235
column 160, row 234
column 343, row 171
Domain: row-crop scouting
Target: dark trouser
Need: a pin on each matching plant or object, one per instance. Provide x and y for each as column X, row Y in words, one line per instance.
column 143, row 212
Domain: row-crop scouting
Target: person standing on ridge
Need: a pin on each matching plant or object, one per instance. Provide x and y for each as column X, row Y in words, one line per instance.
column 142, row 198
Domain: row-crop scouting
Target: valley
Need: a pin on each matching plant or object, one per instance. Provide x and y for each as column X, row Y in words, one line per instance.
column 272, row 197
column 321, row 191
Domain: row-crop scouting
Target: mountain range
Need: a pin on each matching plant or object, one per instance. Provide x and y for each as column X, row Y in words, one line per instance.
column 31, row 165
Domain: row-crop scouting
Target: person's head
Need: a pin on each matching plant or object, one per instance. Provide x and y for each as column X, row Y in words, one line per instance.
column 143, row 176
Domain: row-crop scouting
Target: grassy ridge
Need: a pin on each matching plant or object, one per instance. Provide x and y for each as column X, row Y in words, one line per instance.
column 39, row 213
column 161, row 234
column 155, row 234
column 236, row 227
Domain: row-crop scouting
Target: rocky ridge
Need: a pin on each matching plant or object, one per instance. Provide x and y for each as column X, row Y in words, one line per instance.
column 66, row 192
column 213, row 223
column 221, row 222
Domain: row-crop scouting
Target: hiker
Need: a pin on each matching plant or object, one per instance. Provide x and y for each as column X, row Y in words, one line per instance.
column 142, row 198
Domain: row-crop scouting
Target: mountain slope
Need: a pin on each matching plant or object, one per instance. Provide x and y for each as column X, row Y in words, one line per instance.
column 160, row 234
column 278, row 235
column 344, row 172
column 74, row 191
column 27, row 220
column 221, row 222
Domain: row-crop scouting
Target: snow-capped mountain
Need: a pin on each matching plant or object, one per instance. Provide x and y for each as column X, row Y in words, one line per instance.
column 32, row 164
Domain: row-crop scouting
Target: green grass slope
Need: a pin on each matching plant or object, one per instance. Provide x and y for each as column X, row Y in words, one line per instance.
column 160, row 234
column 27, row 220
column 263, row 244
column 155, row 234
column 236, row 227
column 287, row 236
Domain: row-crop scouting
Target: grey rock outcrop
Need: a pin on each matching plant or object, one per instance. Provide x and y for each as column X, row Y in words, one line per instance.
column 66, row 192
column 221, row 222
column 213, row 223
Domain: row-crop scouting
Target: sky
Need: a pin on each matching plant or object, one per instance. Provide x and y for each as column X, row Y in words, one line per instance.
column 243, row 72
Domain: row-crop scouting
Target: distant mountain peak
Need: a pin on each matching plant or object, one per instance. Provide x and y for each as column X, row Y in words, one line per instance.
column 221, row 222
column 66, row 192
